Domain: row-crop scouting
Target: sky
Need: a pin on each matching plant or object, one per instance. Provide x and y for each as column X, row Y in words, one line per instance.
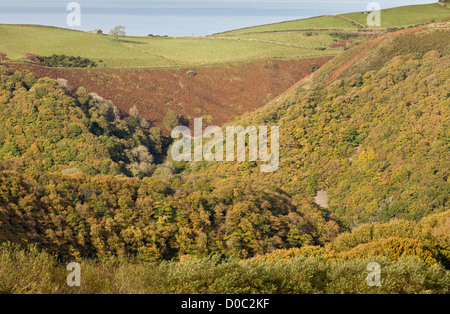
column 178, row 18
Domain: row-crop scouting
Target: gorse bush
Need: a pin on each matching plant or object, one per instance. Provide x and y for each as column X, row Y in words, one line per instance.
column 343, row 36
column 65, row 61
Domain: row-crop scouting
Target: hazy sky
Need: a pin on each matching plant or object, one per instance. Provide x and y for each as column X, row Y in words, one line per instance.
column 178, row 18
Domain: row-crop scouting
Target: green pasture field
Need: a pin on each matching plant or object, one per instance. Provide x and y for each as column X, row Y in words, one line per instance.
column 405, row 16
column 292, row 39
column 325, row 22
column 18, row 40
column 394, row 17
column 310, row 40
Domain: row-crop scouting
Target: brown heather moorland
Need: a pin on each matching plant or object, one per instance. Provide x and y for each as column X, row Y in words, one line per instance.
column 217, row 93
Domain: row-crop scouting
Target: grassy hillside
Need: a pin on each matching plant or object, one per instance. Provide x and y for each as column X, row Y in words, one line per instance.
column 405, row 16
column 315, row 23
column 395, row 17
column 266, row 41
column 315, row 41
column 18, row 40
column 191, row 51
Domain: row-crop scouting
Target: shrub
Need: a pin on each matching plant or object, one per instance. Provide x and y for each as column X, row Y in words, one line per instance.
column 3, row 57
column 343, row 36
column 62, row 61
column 351, row 136
column 191, row 73
column 171, row 120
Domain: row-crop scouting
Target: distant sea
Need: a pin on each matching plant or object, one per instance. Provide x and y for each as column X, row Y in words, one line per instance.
column 178, row 18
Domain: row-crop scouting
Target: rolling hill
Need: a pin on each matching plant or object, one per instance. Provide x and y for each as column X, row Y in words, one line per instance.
column 140, row 52
column 368, row 128
column 404, row 16
column 292, row 39
column 358, row 129
column 238, row 71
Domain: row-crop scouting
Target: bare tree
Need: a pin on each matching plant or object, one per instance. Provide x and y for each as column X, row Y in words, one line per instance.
column 117, row 31
column 141, row 162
